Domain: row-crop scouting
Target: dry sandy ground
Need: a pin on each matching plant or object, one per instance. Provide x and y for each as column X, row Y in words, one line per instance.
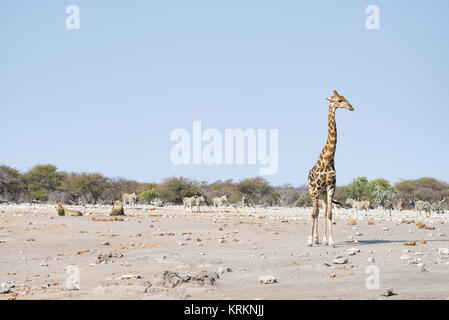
column 39, row 248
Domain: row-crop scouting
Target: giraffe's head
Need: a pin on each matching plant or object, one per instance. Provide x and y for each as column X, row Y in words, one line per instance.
column 338, row 101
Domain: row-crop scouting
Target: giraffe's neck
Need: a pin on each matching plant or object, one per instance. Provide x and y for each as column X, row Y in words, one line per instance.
column 331, row 143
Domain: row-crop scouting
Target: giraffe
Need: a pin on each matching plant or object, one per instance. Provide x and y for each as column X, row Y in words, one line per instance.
column 322, row 175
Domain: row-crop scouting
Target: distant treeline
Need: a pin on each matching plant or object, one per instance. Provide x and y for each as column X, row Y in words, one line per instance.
column 45, row 183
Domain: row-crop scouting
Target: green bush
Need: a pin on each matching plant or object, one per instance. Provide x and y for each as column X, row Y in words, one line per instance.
column 173, row 190
column 148, row 195
column 358, row 189
column 303, row 201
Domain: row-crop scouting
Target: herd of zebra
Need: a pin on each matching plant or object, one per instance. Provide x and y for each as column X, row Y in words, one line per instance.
column 420, row 205
column 197, row 200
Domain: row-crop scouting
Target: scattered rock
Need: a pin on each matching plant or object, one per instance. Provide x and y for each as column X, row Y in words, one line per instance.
column 352, row 251
column 170, row 280
column 6, row 287
column 129, row 276
column 267, row 280
column 105, row 257
column 444, row 251
column 388, row 292
column 340, row 260
column 222, row 270
column 371, row 260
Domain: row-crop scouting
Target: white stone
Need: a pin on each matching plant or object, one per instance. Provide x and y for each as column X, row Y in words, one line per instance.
column 267, row 280
column 340, row 261
column 129, row 276
column 352, row 251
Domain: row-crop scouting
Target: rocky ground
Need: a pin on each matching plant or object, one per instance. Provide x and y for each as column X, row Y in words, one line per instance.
column 163, row 253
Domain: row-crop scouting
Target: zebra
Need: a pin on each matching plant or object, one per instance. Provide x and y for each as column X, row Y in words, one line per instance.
column 198, row 201
column 218, row 202
column 130, row 199
column 423, row 206
column 157, row 202
column 358, row 205
column 244, row 203
column 188, row 202
column 398, row 205
column 438, row 207
column 387, row 205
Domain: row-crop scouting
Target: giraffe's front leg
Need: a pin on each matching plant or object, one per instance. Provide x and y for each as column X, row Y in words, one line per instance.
column 310, row 240
column 313, row 238
column 315, row 234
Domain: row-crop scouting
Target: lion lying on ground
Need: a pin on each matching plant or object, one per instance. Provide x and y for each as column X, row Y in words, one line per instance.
column 63, row 211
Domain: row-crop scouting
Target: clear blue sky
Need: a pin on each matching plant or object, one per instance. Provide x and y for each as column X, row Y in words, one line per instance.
column 106, row 97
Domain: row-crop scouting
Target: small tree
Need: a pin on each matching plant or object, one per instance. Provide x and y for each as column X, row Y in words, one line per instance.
column 148, row 195
column 89, row 187
column 255, row 189
column 11, row 183
column 358, row 189
column 175, row 189
column 381, row 191
column 41, row 180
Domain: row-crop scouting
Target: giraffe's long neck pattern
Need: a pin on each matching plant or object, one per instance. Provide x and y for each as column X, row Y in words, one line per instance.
column 331, row 143
column 332, row 132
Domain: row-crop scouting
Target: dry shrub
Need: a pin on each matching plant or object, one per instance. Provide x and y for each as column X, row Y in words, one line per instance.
column 423, row 226
column 94, row 219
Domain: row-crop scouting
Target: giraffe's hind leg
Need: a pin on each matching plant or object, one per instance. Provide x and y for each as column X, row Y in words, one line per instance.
column 313, row 238
column 325, row 221
column 330, row 196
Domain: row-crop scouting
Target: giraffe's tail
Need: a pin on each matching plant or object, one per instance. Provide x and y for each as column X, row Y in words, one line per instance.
column 339, row 203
